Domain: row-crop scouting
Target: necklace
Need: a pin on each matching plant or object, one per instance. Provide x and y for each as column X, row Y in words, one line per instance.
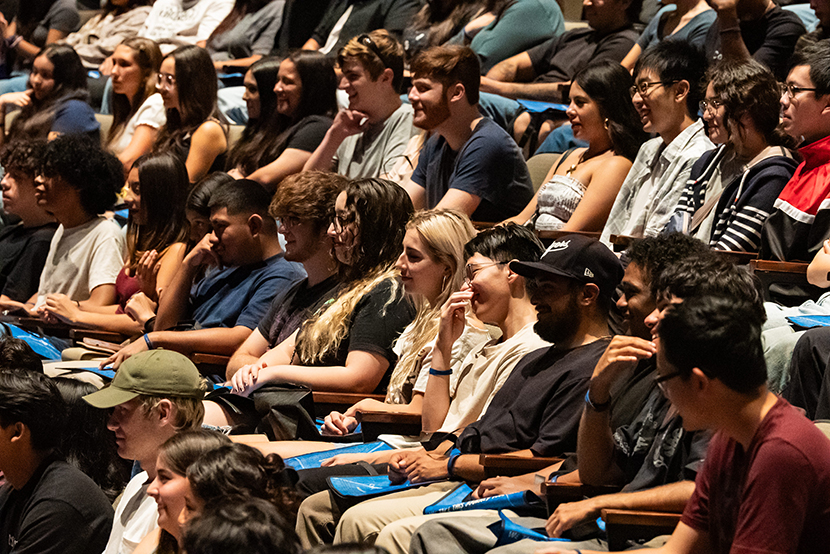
column 581, row 159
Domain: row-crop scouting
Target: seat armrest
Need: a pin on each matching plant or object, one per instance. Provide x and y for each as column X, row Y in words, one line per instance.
column 505, row 464
column 204, row 358
column 623, row 526
column 326, row 402
column 107, row 336
column 560, row 493
column 736, row 257
column 375, row 423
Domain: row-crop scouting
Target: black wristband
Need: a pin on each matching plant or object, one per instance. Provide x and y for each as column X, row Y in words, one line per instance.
column 149, row 324
column 596, row 407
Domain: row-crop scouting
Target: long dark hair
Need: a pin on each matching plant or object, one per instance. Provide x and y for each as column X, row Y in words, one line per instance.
column 257, row 138
column 607, row 83
column 164, row 185
column 197, row 88
column 749, row 88
column 87, row 444
column 35, row 120
column 319, row 89
column 147, row 56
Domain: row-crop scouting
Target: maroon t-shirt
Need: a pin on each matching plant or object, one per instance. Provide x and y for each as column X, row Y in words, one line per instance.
column 773, row 497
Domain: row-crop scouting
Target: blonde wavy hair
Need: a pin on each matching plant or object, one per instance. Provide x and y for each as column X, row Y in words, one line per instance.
column 444, row 234
column 379, row 210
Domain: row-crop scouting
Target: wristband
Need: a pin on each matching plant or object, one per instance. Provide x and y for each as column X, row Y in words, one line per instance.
column 454, row 454
column 149, row 342
column 596, row 407
column 149, row 325
column 440, row 371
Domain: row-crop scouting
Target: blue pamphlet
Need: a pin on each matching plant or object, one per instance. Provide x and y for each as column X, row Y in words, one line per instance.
column 369, row 485
column 313, row 460
column 534, row 106
column 39, row 344
column 509, row 532
column 810, row 321
column 459, row 499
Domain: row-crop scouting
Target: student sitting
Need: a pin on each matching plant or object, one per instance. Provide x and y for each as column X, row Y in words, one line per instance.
column 437, row 22
column 799, row 225
column 469, row 164
column 279, row 143
column 756, row 29
column 137, row 111
column 194, row 130
column 732, row 189
column 156, row 245
column 666, row 95
column 228, row 303
column 46, row 505
column 77, row 183
column 25, row 245
column 349, row 345
column 55, row 103
column 369, row 138
column 246, row 34
column 582, row 184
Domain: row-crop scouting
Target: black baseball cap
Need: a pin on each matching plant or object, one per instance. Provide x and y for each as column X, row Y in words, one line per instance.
column 577, row 257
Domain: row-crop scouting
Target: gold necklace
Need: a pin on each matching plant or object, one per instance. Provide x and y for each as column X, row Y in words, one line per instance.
column 583, row 159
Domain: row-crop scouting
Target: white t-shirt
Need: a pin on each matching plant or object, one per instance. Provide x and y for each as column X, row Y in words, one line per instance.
column 135, row 517
column 172, row 23
column 82, row 258
column 150, row 113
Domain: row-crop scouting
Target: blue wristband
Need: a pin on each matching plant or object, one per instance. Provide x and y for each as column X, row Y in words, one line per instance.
column 454, row 454
column 440, row 371
column 149, row 342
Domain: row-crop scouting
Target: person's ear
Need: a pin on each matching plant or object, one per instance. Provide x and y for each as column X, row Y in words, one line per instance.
column 387, row 76
column 165, row 411
column 255, row 224
column 589, row 294
column 19, row 431
column 700, row 381
column 681, row 91
column 456, row 92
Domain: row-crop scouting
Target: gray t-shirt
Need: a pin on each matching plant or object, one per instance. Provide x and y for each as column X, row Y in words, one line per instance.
column 377, row 150
column 253, row 34
column 62, row 15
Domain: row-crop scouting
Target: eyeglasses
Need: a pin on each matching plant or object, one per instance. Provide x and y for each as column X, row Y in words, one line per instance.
column 165, row 80
column 709, row 105
column 791, row 90
column 339, row 222
column 367, row 41
column 290, row 221
column 660, row 380
column 645, row 88
column 470, row 270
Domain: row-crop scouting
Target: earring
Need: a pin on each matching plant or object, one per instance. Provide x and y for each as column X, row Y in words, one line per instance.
column 444, row 282
column 605, row 123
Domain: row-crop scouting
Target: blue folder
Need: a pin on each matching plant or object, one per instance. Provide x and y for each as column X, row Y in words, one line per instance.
column 509, row 532
column 39, row 344
column 810, row 321
column 313, row 460
column 369, row 485
column 535, row 106
column 459, row 500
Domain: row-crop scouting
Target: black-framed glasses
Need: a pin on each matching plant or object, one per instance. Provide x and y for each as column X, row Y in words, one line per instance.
column 646, row 87
column 470, row 270
column 660, row 380
column 367, row 41
column 791, row 90
column 710, row 104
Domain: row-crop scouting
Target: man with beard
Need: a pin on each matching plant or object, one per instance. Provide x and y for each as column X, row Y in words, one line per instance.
column 470, row 163
column 537, row 410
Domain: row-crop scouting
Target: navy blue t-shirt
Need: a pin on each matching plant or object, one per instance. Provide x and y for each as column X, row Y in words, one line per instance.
column 241, row 295
column 489, row 165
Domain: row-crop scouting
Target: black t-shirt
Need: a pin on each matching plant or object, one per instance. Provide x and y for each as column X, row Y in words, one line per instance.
column 560, row 58
column 770, row 40
column 489, row 165
column 289, row 309
column 374, row 326
column 23, row 252
column 539, row 406
column 60, row 511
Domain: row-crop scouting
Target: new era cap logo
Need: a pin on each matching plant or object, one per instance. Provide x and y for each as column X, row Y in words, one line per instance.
column 557, row 246
column 589, row 273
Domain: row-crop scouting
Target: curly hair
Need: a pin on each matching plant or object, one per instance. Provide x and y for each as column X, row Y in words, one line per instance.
column 23, row 156
column 96, row 175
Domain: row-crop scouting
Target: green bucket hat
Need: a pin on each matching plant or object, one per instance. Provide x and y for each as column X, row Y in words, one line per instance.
column 154, row 373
